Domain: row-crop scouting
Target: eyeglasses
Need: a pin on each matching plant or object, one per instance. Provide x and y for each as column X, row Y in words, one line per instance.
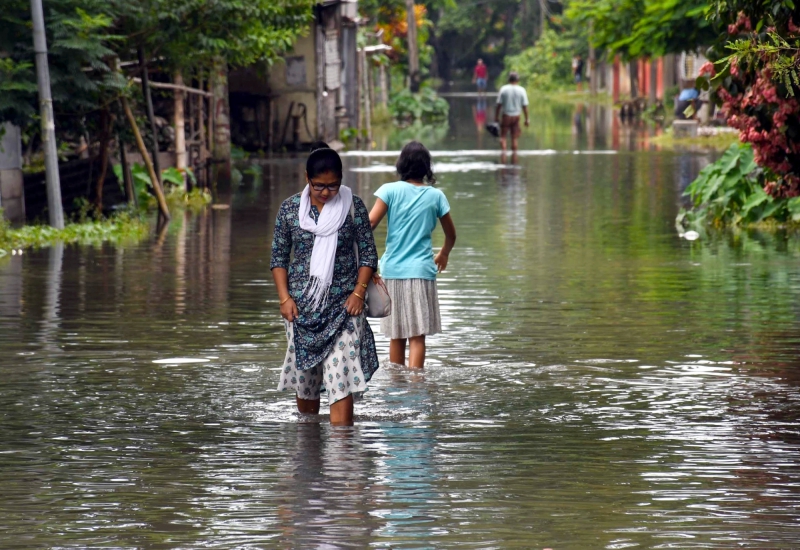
column 331, row 187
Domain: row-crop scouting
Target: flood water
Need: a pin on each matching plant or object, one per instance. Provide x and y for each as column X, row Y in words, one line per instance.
column 600, row 381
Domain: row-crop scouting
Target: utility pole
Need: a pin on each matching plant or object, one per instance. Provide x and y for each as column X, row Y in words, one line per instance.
column 54, row 207
column 594, row 78
column 413, row 53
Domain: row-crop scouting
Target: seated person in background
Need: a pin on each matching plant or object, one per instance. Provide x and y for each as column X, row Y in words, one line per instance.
column 689, row 96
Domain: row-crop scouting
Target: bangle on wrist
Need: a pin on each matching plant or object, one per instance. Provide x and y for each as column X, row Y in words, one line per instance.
column 285, row 300
column 357, row 294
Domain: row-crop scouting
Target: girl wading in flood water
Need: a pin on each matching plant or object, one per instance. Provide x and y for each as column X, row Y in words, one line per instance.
column 321, row 289
column 408, row 266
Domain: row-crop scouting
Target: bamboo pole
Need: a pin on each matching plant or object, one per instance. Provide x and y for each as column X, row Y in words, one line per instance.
column 148, row 98
column 162, row 201
column 178, row 87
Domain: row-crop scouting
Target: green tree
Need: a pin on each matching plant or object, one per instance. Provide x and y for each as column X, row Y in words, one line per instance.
column 644, row 28
column 547, row 65
column 84, row 36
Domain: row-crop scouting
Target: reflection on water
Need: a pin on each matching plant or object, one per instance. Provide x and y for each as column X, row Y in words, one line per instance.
column 600, row 383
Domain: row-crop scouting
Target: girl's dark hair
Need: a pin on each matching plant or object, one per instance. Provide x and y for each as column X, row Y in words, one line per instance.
column 323, row 159
column 414, row 163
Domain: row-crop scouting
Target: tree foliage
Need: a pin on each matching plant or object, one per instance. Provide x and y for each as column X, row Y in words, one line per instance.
column 85, row 37
column 547, row 65
column 460, row 32
column 644, row 28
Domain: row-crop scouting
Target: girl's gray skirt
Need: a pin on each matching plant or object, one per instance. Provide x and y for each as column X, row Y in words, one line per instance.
column 415, row 309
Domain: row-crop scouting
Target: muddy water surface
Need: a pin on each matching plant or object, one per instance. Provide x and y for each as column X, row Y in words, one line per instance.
column 600, row 382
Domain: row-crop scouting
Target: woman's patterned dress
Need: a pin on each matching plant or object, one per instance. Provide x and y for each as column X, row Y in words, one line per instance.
column 315, row 332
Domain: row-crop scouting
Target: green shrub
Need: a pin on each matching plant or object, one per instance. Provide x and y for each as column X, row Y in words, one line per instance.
column 426, row 106
column 173, row 179
column 545, row 66
column 122, row 227
column 728, row 192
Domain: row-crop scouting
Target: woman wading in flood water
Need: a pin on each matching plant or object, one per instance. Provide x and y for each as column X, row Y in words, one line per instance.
column 321, row 288
column 409, row 267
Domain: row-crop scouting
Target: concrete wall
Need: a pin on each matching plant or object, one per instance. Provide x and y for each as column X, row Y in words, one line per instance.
column 12, row 191
column 77, row 182
column 287, row 84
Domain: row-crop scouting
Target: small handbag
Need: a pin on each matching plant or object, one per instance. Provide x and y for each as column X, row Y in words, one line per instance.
column 377, row 300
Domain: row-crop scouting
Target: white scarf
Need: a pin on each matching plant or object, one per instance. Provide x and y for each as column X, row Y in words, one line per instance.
column 326, row 236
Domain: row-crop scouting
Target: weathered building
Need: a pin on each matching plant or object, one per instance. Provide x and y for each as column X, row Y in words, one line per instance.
column 311, row 94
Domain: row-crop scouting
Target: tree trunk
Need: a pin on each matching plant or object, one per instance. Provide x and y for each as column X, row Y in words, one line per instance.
column 148, row 98
column 200, row 113
column 542, row 17
column 413, row 47
column 162, row 201
column 127, row 178
column 593, row 76
column 383, row 85
column 633, row 69
column 222, row 128
column 180, row 127
column 508, row 33
column 105, row 139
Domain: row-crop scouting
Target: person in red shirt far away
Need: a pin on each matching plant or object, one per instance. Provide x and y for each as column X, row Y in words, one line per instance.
column 480, row 76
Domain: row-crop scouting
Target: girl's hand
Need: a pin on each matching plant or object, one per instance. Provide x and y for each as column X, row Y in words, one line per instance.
column 289, row 310
column 354, row 305
column 441, row 260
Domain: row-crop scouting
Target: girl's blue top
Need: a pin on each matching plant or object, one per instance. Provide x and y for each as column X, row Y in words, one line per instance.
column 413, row 211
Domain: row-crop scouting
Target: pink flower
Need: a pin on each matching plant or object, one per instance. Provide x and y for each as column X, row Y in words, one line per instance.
column 707, row 69
column 743, row 22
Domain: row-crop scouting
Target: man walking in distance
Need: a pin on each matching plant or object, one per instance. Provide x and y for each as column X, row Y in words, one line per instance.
column 480, row 77
column 512, row 100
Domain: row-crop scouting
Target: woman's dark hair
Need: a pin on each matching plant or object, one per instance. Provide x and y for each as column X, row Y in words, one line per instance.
column 323, row 159
column 414, row 163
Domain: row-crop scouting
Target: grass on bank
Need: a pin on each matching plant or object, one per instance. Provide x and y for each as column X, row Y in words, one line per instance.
column 125, row 227
column 718, row 142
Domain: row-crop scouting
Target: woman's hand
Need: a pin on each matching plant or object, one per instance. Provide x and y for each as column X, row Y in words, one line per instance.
column 441, row 260
column 289, row 310
column 355, row 305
